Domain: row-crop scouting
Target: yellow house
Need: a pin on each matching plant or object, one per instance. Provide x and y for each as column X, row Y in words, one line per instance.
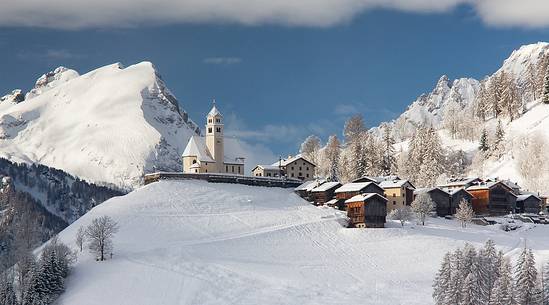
column 399, row 193
column 207, row 154
column 296, row 167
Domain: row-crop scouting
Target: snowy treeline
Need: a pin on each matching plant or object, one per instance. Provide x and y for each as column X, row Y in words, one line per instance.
column 37, row 281
column 470, row 276
column 63, row 194
column 361, row 154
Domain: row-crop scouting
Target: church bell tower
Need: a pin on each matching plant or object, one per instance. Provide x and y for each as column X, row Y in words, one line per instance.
column 214, row 137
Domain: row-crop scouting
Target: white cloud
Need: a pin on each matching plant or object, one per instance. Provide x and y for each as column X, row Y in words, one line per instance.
column 222, row 60
column 74, row 14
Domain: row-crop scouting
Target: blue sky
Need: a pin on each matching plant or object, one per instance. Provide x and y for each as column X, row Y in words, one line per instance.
column 277, row 83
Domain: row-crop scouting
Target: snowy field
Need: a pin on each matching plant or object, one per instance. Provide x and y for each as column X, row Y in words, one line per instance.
column 191, row 242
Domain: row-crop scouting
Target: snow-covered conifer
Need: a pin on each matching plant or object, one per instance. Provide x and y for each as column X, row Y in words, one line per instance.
column 422, row 206
column 7, row 291
column 483, row 143
column 464, row 213
column 443, row 281
column 526, row 279
column 502, row 291
column 498, row 146
column 545, row 92
column 389, row 165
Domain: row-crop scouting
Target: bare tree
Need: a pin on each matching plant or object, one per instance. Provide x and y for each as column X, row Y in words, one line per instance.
column 310, row 149
column 80, row 238
column 353, row 128
column 402, row 214
column 100, row 233
column 464, row 213
column 422, row 206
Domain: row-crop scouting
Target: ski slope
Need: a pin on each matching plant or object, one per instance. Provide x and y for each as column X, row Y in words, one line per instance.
column 191, row 242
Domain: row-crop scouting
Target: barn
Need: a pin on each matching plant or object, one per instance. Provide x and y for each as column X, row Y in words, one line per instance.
column 440, row 197
column 367, row 210
column 304, row 190
column 494, row 198
column 528, row 203
column 324, row 192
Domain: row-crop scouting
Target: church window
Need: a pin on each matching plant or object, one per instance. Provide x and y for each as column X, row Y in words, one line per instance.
column 210, row 120
column 217, row 120
column 292, row 174
column 194, row 161
column 209, row 130
column 239, row 169
column 227, row 168
column 218, row 129
column 232, row 168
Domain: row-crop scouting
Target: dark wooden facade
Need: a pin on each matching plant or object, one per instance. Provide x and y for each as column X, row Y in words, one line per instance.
column 494, row 199
column 320, row 197
column 456, row 197
column 369, row 188
column 528, row 204
column 441, row 200
column 371, row 212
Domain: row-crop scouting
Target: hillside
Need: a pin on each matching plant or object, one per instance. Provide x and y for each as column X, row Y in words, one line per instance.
column 191, row 242
column 462, row 95
column 108, row 126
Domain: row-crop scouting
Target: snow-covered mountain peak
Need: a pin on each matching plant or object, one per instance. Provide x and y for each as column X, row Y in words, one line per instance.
column 51, row 80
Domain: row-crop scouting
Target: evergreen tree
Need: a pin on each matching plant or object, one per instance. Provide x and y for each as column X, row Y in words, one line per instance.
column 526, row 279
column 483, row 146
column 389, row 165
column 464, row 213
column 469, row 291
column 443, row 281
column 454, row 293
column 332, row 152
column 499, row 143
column 490, row 263
column 7, row 292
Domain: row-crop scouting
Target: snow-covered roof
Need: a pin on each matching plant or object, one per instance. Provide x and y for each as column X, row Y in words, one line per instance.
column 488, row 185
column 526, row 196
column 393, row 183
column 332, row 201
column 353, row 187
column 233, row 160
column 268, row 167
column 289, row 160
column 305, row 186
column 197, row 148
column 379, row 179
column 363, row 197
column 214, row 112
column 453, row 182
column 325, row 186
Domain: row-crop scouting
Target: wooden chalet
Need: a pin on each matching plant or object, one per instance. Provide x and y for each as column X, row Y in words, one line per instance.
column 456, row 195
column 349, row 190
column 528, row 203
column 367, row 210
column 324, row 192
column 440, row 197
column 337, row 204
column 304, row 190
column 492, row 198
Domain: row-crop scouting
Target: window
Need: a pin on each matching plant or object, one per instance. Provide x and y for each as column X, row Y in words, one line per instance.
column 194, row 161
column 307, row 175
column 206, row 171
column 300, row 175
column 300, row 168
column 217, row 120
column 394, row 195
column 196, row 171
column 226, row 168
column 239, row 169
column 210, row 120
column 218, row 129
column 232, row 168
column 209, row 130
column 394, row 202
column 268, row 174
column 292, row 174
column 307, row 168
column 292, row 168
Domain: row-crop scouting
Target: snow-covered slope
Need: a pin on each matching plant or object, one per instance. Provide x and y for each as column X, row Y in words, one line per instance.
column 110, row 125
column 191, row 242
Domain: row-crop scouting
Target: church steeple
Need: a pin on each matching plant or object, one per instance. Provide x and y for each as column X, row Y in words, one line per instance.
column 214, row 136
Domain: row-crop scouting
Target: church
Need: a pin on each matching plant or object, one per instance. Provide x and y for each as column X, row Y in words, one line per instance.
column 207, row 154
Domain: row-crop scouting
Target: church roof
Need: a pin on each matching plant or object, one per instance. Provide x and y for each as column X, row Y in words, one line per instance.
column 197, row 147
column 214, row 112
